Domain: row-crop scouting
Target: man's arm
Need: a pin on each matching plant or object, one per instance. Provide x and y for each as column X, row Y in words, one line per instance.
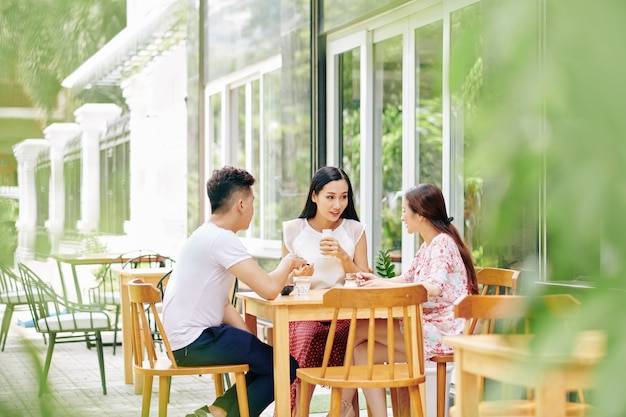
column 233, row 318
column 267, row 285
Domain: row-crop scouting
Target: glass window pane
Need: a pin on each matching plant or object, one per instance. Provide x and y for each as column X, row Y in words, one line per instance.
column 429, row 107
column 350, row 108
column 388, row 140
column 214, row 131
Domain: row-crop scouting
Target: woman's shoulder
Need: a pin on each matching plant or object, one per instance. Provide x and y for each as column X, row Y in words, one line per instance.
column 292, row 228
column 444, row 240
column 353, row 228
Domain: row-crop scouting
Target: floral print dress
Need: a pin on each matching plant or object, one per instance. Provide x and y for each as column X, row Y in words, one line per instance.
column 440, row 264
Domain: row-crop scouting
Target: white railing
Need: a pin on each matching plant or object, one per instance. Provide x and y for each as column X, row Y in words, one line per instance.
column 9, row 192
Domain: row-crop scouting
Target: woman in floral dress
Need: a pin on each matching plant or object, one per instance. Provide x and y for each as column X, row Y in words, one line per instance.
column 443, row 265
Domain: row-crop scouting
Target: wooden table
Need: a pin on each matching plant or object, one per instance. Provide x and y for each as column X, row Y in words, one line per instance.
column 508, row 358
column 149, row 275
column 74, row 260
column 281, row 311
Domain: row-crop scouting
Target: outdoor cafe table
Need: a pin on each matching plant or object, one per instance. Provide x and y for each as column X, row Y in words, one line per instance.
column 151, row 276
column 508, row 358
column 281, row 311
column 74, row 260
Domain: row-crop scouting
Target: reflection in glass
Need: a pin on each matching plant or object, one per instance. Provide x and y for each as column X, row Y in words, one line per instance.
column 429, row 108
column 214, row 132
column 273, row 162
column 350, row 107
column 388, row 141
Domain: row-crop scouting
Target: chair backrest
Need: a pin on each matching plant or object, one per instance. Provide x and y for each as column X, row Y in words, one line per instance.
column 163, row 282
column 363, row 302
column 497, row 281
column 46, row 306
column 144, row 296
column 486, row 310
column 11, row 289
column 107, row 290
column 149, row 260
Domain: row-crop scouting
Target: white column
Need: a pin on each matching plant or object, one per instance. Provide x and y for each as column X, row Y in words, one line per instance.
column 92, row 119
column 26, row 153
column 57, row 135
column 144, row 195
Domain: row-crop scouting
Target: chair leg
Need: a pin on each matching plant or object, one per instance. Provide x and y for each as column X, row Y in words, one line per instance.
column 400, row 404
column 305, row 398
column 218, row 383
column 417, row 405
column 164, row 389
column 441, row 389
column 242, row 394
column 147, row 395
column 101, row 361
column 46, row 366
column 335, row 402
column 6, row 323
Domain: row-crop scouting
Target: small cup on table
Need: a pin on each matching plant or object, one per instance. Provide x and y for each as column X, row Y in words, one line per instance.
column 302, row 285
column 352, row 280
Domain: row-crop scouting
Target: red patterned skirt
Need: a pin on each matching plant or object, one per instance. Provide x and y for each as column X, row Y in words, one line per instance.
column 307, row 340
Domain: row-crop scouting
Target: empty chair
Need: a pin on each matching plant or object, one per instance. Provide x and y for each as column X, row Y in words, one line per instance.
column 106, row 293
column 146, row 363
column 490, row 281
column 515, row 314
column 63, row 321
column 12, row 294
column 398, row 302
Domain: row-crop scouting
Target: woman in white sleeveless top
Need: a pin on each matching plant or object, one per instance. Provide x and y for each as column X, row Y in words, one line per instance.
column 330, row 237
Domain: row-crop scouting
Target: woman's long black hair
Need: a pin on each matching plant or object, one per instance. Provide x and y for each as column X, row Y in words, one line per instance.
column 322, row 177
column 427, row 200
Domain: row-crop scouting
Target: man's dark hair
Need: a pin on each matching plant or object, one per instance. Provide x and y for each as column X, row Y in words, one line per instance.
column 225, row 183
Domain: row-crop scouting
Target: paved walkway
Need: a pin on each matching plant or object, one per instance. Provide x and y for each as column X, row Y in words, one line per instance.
column 74, row 382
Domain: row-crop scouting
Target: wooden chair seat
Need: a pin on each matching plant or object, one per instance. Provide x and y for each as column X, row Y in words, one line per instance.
column 144, row 297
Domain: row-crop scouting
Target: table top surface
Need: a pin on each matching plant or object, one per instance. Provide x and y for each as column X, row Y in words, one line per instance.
column 88, row 258
column 589, row 347
column 314, row 297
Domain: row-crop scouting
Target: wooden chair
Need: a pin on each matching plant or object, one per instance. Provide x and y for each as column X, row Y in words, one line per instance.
column 145, row 296
column 12, row 294
column 487, row 314
column 107, row 293
column 63, row 321
column 490, row 281
column 362, row 302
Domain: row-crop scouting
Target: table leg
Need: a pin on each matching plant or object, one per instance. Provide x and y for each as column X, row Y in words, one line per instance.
column 281, row 362
column 127, row 342
column 550, row 396
column 466, row 388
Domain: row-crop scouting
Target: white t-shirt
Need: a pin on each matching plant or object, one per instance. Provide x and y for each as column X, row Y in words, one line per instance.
column 300, row 238
column 200, row 285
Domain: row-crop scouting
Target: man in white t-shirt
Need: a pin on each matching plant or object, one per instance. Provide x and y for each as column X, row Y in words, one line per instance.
column 203, row 327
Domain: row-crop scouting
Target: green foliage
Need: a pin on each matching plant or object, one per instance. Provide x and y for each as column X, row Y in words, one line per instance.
column 383, row 266
column 42, row 42
column 552, row 130
column 8, row 233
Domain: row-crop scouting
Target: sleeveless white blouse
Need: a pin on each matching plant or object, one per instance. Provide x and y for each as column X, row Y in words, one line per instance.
column 300, row 238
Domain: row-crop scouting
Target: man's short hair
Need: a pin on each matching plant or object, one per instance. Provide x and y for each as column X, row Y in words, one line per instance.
column 224, row 184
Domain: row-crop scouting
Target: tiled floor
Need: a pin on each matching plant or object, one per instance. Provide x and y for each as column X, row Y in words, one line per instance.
column 74, row 382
